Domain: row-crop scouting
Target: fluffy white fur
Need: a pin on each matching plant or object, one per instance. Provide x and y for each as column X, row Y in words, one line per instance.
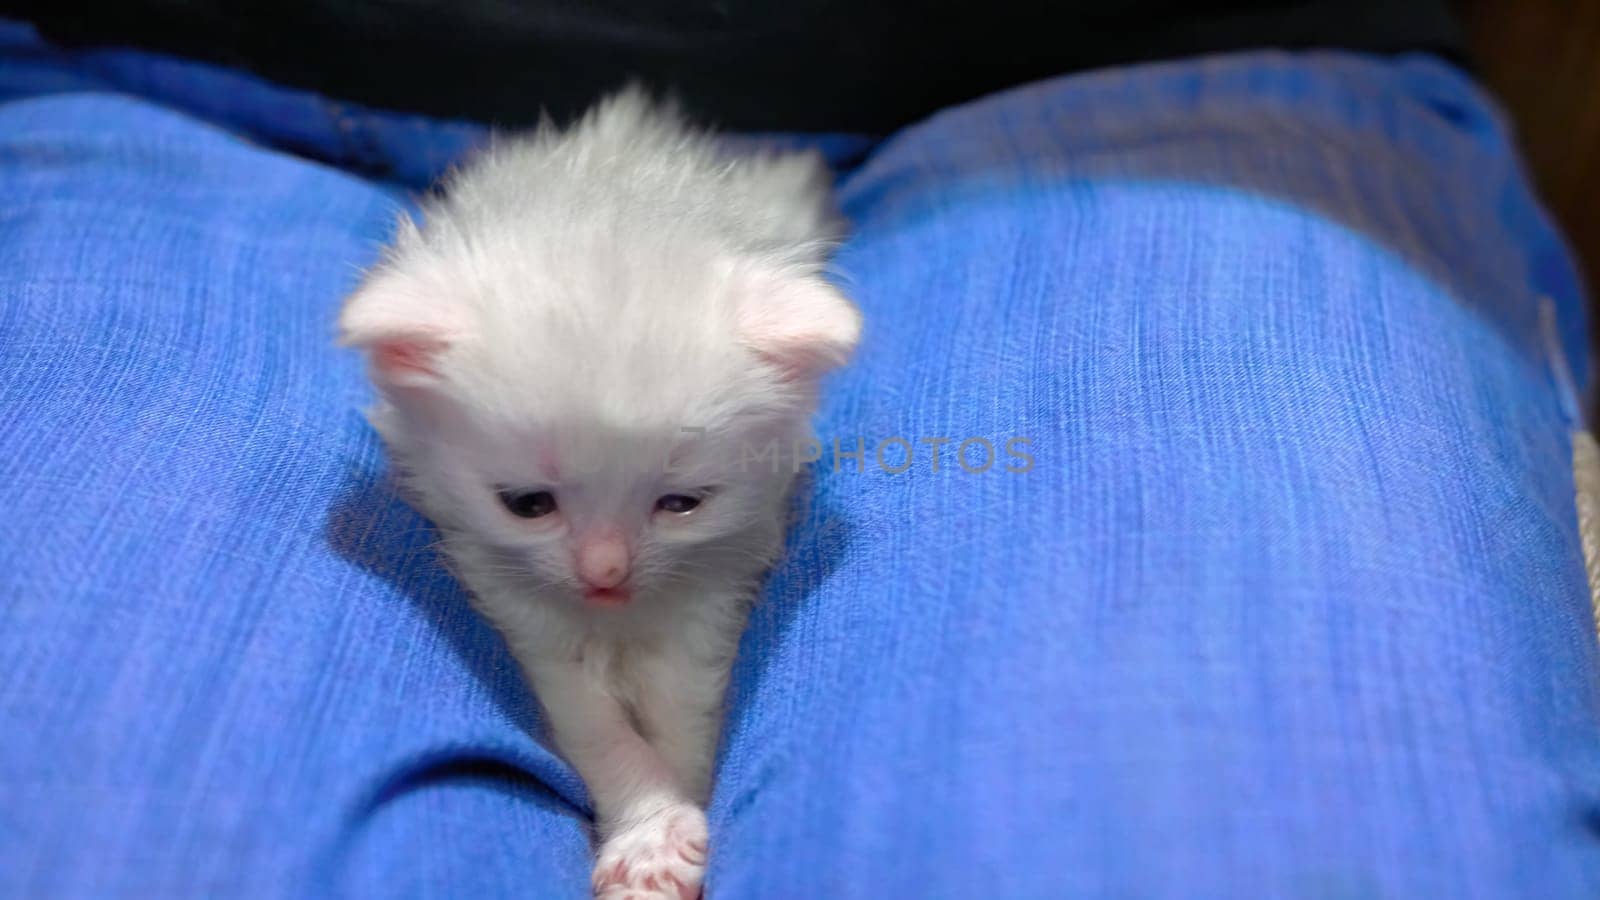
column 574, row 308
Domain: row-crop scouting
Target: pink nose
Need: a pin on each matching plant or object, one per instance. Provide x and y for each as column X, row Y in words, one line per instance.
column 603, row 559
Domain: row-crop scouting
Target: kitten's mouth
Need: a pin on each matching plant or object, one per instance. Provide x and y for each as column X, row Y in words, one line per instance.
column 607, row 596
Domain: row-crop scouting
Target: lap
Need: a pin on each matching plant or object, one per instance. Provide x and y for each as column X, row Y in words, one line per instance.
column 230, row 661
column 1292, row 595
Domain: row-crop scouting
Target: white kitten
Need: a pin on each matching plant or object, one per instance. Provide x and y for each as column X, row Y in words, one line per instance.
column 598, row 357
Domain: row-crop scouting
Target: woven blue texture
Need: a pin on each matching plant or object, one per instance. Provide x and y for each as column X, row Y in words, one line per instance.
column 1291, row 603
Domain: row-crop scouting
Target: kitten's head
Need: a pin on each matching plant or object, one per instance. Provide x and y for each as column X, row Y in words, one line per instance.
column 599, row 426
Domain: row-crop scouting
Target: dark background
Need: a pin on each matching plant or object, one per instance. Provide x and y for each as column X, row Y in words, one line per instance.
column 824, row 65
column 1542, row 57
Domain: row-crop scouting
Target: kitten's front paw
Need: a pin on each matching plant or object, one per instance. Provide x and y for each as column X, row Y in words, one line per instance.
column 663, row 856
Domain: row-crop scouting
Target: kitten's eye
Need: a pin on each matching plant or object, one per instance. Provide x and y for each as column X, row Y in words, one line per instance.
column 528, row 504
column 677, row 503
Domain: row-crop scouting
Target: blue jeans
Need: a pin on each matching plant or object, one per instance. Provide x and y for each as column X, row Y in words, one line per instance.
column 1288, row 601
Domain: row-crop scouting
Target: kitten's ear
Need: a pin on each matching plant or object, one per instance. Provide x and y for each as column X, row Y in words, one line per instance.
column 403, row 332
column 801, row 324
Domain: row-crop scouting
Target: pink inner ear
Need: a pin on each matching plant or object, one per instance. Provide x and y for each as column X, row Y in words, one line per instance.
column 802, row 325
column 805, row 344
column 797, row 356
column 407, row 358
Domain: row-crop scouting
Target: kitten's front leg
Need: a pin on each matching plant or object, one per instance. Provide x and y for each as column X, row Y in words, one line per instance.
column 680, row 699
column 652, row 835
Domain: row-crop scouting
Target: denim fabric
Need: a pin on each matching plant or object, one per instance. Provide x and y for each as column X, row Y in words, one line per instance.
column 1291, row 602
